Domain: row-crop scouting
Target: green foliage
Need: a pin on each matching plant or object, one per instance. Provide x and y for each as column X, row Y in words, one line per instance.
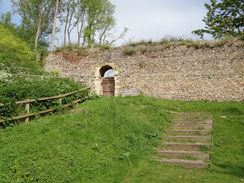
column 143, row 49
column 94, row 20
column 169, row 42
column 142, row 42
column 104, row 47
column 37, row 19
column 73, row 47
column 14, row 52
column 21, row 88
column 129, row 51
column 16, row 58
column 69, row 47
column 5, row 20
column 224, row 19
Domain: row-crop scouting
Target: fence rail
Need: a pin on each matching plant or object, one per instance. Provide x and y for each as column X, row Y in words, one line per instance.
column 28, row 101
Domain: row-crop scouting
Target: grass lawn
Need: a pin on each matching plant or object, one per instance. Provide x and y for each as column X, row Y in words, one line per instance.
column 113, row 140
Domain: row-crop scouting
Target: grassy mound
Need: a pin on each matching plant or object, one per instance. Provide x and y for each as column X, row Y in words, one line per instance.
column 100, row 143
column 112, row 140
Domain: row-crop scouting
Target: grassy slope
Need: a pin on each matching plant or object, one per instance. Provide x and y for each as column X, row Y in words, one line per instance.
column 14, row 52
column 113, row 141
column 227, row 156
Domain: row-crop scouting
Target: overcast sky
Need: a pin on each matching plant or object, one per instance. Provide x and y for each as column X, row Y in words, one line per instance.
column 153, row 19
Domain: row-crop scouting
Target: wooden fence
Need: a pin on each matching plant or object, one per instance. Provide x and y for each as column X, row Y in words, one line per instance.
column 27, row 105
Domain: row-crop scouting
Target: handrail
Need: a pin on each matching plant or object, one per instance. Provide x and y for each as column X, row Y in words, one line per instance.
column 27, row 105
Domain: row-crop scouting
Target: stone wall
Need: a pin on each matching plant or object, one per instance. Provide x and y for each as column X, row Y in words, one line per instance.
column 202, row 71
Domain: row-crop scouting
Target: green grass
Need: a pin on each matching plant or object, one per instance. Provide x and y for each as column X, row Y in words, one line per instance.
column 114, row 140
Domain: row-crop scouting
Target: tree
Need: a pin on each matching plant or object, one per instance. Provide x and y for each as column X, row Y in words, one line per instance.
column 94, row 9
column 93, row 20
column 68, row 10
column 37, row 18
column 54, row 25
column 224, row 19
column 107, row 22
column 5, row 20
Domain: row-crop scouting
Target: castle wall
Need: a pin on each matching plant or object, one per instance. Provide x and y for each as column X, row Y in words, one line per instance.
column 179, row 72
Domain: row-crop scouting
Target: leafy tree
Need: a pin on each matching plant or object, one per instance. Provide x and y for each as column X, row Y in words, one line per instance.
column 5, row 20
column 225, row 18
column 107, row 22
column 93, row 19
column 37, row 18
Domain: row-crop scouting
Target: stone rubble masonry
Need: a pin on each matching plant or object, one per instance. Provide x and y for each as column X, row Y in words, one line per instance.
column 178, row 72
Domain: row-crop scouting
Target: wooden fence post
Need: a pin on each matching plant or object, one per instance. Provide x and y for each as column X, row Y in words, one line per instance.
column 76, row 105
column 60, row 101
column 27, row 109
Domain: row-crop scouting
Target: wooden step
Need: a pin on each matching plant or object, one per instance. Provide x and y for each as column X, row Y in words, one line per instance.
column 185, row 146
column 193, row 117
column 182, row 154
column 192, row 127
column 184, row 113
column 192, row 138
column 195, row 132
column 207, row 121
column 186, row 163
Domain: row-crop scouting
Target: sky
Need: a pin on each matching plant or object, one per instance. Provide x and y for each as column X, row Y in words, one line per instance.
column 156, row 19
column 151, row 19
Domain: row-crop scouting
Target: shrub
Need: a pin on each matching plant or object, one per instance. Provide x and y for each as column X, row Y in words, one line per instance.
column 21, row 88
column 14, row 52
column 143, row 49
column 129, row 51
column 104, row 47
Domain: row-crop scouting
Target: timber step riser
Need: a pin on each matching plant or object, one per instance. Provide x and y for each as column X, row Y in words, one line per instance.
column 193, row 121
column 180, row 154
column 186, row 163
column 191, row 127
column 194, row 132
column 186, row 147
column 190, row 138
column 193, row 117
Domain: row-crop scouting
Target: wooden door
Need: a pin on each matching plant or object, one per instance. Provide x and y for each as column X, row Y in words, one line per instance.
column 108, row 87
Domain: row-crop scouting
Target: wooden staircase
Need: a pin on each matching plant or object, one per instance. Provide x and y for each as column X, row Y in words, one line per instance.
column 189, row 142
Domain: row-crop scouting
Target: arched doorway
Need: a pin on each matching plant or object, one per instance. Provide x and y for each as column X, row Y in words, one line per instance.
column 108, row 83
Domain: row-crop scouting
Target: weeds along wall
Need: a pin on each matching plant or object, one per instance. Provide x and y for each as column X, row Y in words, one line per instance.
column 181, row 70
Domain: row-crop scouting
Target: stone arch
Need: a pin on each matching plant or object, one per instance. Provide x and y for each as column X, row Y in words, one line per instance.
column 102, row 76
column 105, row 69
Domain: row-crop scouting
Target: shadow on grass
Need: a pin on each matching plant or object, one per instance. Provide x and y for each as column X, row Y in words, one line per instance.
column 231, row 169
